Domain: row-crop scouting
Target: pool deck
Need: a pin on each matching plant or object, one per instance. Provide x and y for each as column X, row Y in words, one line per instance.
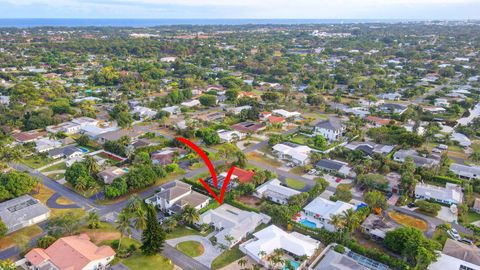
column 317, row 223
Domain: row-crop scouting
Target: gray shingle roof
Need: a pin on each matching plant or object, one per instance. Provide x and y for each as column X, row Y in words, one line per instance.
column 15, row 212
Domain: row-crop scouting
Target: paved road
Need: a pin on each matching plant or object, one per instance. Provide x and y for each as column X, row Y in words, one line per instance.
column 433, row 222
column 52, row 203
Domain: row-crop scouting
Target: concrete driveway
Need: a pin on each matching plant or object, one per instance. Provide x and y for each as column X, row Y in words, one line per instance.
column 211, row 252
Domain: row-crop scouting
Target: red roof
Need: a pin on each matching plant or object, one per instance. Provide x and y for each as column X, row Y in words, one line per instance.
column 378, row 120
column 243, row 176
column 275, row 119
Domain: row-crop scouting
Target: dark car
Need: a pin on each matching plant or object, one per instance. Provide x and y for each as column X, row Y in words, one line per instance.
column 411, row 205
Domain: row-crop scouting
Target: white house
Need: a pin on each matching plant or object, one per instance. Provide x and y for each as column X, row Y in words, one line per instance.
column 143, row 112
column 390, row 96
column 319, row 212
column 275, row 192
column 272, row 238
column 21, row 212
column 298, row 154
column 457, row 256
column 450, row 194
column 168, row 59
column 68, row 152
column 172, row 110
column 331, row 129
column 46, row 144
column 286, row 114
column 465, row 171
column 85, row 121
column 174, row 196
column 238, row 110
column 441, row 102
column 231, row 222
column 66, row 127
column 230, row 135
column 191, row 103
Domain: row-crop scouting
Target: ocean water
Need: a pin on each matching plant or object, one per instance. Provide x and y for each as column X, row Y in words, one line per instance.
column 26, row 23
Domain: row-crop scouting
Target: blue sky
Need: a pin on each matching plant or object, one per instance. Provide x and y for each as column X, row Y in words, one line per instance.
column 302, row 9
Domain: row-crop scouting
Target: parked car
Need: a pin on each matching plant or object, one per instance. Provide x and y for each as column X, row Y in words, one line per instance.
column 454, row 234
column 411, row 205
column 338, row 180
column 466, row 241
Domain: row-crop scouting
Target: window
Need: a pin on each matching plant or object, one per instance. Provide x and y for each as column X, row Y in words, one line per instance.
column 463, row 267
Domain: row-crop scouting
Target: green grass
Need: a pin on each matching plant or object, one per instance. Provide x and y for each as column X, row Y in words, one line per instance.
column 56, row 176
column 36, row 161
column 472, row 217
column 56, row 167
column 191, row 248
column 227, row 257
column 440, row 236
column 142, row 262
column 295, row 184
column 300, row 170
column 184, row 231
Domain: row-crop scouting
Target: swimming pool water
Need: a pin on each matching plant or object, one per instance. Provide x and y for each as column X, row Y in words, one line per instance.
column 308, row 223
column 292, row 263
column 84, row 150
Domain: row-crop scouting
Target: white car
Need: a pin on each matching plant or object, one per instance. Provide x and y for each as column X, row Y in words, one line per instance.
column 454, row 234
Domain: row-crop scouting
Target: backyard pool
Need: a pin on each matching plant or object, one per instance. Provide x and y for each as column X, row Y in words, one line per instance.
column 294, row 264
column 308, row 223
column 84, row 150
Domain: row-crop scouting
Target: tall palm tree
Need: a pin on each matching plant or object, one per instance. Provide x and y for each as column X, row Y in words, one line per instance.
column 123, row 225
column 140, row 219
column 338, row 222
column 134, row 203
column 91, row 165
column 242, row 262
column 93, row 220
column 351, row 219
column 190, row 215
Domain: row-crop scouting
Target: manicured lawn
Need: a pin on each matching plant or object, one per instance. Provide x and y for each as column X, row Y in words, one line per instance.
column 227, row 257
column 45, row 193
column 300, row 170
column 57, row 176
column 440, row 236
column 139, row 261
column 300, row 139
column 472, row 217
column 260, row 158
column 36, row 161
column 295, row 184
column 25, row 233
column 408, row 221
column 180, row 231
column 191, row 248
column 56, row 167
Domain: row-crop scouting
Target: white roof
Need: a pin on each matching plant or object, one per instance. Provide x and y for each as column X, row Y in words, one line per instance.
column 326, row 208
column 300, row 152
column 285, row 113
column 272, row 238
column 465, row 170
column 191, row 103
column 274, row 185
column 448, row 262
column 450, row 193
column 235, row 222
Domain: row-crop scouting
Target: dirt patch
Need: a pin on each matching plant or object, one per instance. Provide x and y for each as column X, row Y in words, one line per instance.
column 99, row 236
column 409, row 221
column 249, row 200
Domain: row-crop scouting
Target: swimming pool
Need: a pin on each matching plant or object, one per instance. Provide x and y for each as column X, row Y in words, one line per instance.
column 308, row 223
column 84, row 150
column 292, row 263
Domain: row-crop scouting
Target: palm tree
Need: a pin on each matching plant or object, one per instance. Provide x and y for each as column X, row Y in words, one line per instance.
column 242, row 262
column 81, row 184
column 134, row 203
column 262, row 254
column 351, row 219
column 170, row 224
column 140, row 219
column 190, row 215
column 338, row 222
column 93, row 220
column 123, row 225
column 91, row 165
column 229, row 239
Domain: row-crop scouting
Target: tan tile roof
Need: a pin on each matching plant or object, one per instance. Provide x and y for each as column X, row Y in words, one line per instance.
column 468, row 253
column 70, row 253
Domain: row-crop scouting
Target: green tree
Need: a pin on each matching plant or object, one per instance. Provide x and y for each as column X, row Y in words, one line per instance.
column 123, row 225
column 3, row 229
column 376, row 200
column 153, row 236
column 208, row 100
column 46, row 241
column 93, row 220
column 190, row 215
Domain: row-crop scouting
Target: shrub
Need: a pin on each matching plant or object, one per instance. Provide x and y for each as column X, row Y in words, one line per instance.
column 339, row 249
column 428, row 207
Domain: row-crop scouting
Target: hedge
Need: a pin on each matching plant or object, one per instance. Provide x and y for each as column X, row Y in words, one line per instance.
column 446, row 179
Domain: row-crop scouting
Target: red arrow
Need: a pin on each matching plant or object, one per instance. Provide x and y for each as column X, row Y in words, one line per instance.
column 213, row 173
